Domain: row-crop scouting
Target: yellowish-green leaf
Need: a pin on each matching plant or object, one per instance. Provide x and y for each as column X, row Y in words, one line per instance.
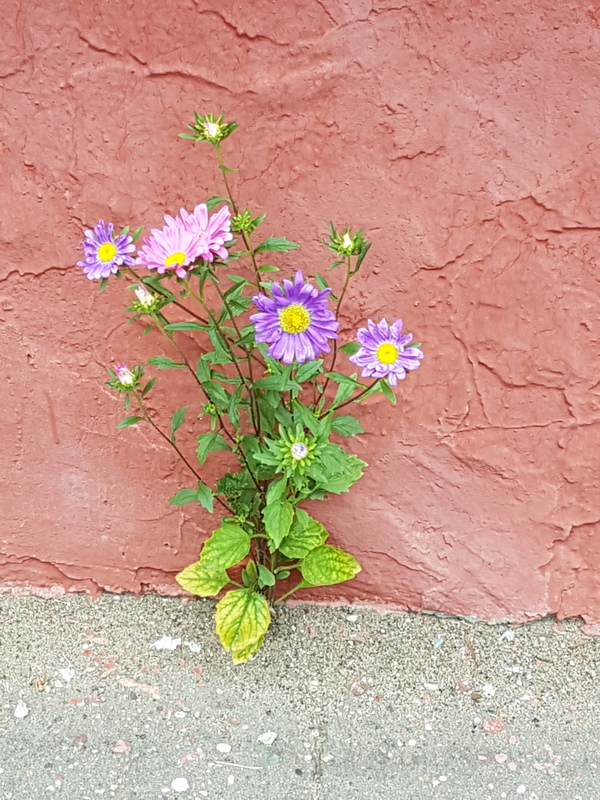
column 199, row 580
column 242, row 619
column 227, row 546
column 326, row 565
column 241, row 656
column 305, row 534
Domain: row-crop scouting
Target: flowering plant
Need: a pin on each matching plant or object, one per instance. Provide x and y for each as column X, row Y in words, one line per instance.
column 268, row 387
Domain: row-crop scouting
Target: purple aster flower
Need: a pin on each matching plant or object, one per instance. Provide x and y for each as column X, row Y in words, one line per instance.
column 173, row 247
column 384, row 351
column 103, row 253
column 295, row 321
column 212, row 231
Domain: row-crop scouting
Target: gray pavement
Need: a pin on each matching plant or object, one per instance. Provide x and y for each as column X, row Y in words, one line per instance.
column 339, row 704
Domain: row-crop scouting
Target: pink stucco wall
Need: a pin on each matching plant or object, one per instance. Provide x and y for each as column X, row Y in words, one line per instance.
column 462, row 136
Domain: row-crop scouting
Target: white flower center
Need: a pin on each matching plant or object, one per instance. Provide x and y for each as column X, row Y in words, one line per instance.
column 299, row 451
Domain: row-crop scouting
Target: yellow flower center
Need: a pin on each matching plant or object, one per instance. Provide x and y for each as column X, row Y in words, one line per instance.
column 107, row 251
column 387, row 353
column 175, row 258
column 294, row 318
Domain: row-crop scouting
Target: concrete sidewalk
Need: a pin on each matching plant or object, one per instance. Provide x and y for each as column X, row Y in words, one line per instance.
column 340, row 704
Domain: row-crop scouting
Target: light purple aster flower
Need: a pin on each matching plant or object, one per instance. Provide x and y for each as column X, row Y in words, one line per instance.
column 212, row 231
column 384, row 351
column 295, row 321
column 173, row 247
column 103, row 253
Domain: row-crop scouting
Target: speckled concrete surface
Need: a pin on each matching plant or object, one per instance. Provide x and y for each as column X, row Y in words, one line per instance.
column 340, row 703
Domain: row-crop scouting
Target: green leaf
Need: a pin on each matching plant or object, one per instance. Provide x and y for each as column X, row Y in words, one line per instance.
column 344, row 392
column 212, row 201
column 210, row 443
column 183, row 497
column 387, row 391
column 265, row 577
column 103, row 283
column 227, row 546
column 199, row 580
column 162, row 362
column 148, row 386
column 335, row 470
column 350, row 349
column 347, row 425
column 242, row 619
column 278, row 517
column 125, row 423
column 308, row 370
column 205, row 496
column 177, row 421
column 305, row 534
column 321, row 281
column 203, row 371
column 277, row 244
column 268, row 268
column 327, row 565
column 184, row 326
column 306, row 417
column 282, row 574
column 277, row 490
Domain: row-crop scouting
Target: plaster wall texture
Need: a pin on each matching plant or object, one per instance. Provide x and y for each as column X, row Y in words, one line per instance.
column 462, row 136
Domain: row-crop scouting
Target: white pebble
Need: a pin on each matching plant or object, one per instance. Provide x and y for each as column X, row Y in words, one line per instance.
column 223, row 747
column 21, row 710
column 67, row 674
column 487, row 690
column 521, row 789
column 230, row 780
column 431, row 687
column 411, row 742
column 166, row 643
column 180, row 785
column 352, row 617
column 267, row 738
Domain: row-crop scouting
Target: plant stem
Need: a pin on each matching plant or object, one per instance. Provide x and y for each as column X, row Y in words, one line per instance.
column 287, row 594
column 149, row 419
column 245, row 236
column 351, row 400
column 337, row 314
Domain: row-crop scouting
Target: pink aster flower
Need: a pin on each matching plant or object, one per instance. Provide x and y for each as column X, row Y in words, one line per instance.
column 384, row 351
column 212, row 230
column 173, row 247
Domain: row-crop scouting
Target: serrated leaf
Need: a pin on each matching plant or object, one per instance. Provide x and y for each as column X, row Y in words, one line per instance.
column 162, row 362
column 227, row 546
column 278, row 517
column 305, row 534
column 265, row 577
column 203, row 371
column 125, row 423
column 184, row 326
column 210, row 443
column 350, row 349
column 203, row 582
column 183, row 497
column 242, row 619
column 347, row 425
column 177, row 421
column 327, row 565
column 276, row 244
column 308, row 370
column 336, row 471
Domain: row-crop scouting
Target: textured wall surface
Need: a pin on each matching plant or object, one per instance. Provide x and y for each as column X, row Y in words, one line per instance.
column 462, row 136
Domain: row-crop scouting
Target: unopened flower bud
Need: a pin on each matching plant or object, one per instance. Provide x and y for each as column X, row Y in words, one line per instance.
column 124, row 374
column 144, row 297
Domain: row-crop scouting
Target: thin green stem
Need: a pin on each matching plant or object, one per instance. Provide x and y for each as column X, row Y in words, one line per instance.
column 351, row 400
column 337, row 314
column 149, row 419
column 287, row 594
column 174, row 302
